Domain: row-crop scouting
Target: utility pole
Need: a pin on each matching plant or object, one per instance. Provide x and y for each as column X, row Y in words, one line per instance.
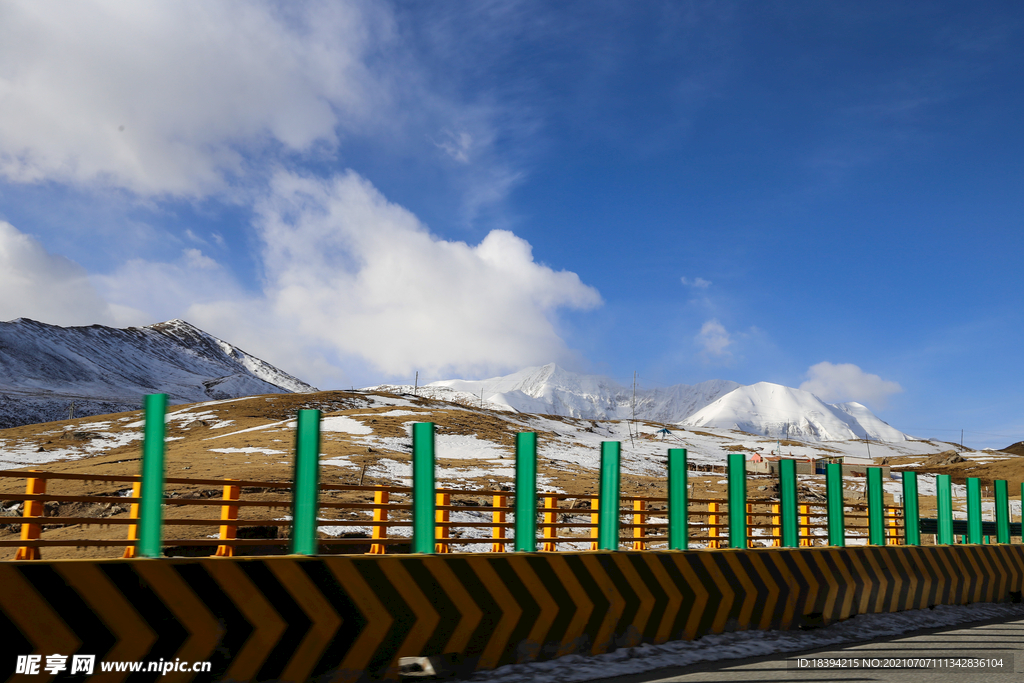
column 416, row 384
column 961, row 440
column 633, row 408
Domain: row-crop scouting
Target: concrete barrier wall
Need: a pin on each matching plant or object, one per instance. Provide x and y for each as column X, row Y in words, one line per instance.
column 351, row 618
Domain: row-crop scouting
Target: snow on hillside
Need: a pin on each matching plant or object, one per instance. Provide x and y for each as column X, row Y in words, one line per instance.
column 44, row 368
column 552, row 390
column 566, row 442
column 783, row 412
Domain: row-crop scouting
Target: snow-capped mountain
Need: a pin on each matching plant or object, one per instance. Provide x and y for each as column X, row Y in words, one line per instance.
column 552, row 390
column 44, row 368
column 787, row 413
column 766, row 409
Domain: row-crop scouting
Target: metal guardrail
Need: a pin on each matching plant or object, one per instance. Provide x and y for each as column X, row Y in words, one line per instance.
column 707, row 518
column 961, row 527
column 674, row 521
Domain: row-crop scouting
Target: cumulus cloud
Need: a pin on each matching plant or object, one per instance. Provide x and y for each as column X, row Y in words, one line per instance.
column 698, row 282
column 196, row 100
column 45, row 287
column 364, row 276
column 714, row 340
column 172, row 100
column 847, row 382
column 170, row 97
column 143, row 292
column 353, row 279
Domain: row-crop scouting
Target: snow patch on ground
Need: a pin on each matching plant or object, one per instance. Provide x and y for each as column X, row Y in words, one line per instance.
column 254, row 429
column 14, row 455
column 249, row 449
column 341, row 423
column 460, row 447
column 391, row 413
column 378, row 401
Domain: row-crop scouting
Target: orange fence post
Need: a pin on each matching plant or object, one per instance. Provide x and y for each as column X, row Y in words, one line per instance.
column 713, row 534
column 133, row 513
column 750, row 527
column 893, row 538
column 228, row 532
column 32, row 508
column 550, row 518
column 498, row 517
column 776, row 526
column 442, row 516
column 639, row 517
column 805, row 523
column 594, row 519
column 380, row 514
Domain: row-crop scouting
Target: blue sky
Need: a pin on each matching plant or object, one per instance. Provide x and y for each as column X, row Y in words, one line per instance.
column 825, row 195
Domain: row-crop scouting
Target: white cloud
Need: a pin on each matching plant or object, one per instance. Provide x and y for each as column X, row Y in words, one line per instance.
column 698, row 282
column 714, row 340
column 847, row 382
column 145, row 292
column 168, row 97
column 198, row 99
column 365, row 277
column 207, row 99
column 354, row 280
column 457, row 146
column 39, row 285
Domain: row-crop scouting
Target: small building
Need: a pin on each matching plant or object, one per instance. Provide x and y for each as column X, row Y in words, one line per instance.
column 770, row 465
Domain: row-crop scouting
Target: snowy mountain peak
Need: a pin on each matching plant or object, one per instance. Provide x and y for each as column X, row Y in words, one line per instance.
column 764, row 408
column 44, row 368
column 788, row 413
column 553, row 390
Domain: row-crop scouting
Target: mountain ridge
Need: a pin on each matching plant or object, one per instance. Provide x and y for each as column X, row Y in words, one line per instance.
column 45, row 368
column 768, row 410
column 784, row 412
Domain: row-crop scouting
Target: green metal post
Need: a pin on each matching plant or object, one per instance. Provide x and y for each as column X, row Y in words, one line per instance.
column 834, row 494
column 876, row 507
column 737, row 500
column 423, row 504
column 677, row 520
column 151, row 506
column 526, row 492
column 944, row 496
column 974, row 510
column 1002, row 512
column 911, row 511
column 608, row 505
column 305, row 486
column 788, row 503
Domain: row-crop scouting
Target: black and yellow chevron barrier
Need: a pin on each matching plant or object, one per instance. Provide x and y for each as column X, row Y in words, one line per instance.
column 350, row 618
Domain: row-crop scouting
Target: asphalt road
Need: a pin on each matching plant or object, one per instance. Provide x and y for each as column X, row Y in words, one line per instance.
column 990, row 640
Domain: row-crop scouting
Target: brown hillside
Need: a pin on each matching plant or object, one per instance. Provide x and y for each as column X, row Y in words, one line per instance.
column 253, row 439
column 254, row 426
column 1015, row 449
